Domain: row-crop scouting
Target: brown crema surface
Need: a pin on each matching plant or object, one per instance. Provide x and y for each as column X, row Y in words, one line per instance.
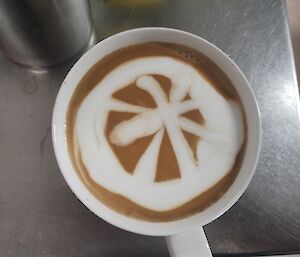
column 128, row 156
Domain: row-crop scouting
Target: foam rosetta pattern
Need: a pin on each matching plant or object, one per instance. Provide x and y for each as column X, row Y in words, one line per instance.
column 220, row 136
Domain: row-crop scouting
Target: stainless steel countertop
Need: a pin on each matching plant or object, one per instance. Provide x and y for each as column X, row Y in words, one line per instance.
column 39, row 215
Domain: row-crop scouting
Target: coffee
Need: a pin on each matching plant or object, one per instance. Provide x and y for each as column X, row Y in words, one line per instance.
column 156, row 131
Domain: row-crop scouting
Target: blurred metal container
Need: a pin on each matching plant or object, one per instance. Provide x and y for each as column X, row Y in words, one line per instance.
column 41, row 33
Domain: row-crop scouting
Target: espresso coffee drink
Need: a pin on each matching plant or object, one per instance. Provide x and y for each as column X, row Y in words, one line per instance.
column 156, row 131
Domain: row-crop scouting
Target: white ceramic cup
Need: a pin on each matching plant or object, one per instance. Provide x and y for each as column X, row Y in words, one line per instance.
column 185, row 237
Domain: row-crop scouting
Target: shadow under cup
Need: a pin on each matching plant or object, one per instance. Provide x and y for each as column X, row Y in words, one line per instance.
column 242, row 87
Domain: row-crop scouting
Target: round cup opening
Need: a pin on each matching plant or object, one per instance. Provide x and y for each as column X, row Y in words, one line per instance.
column 163, row 35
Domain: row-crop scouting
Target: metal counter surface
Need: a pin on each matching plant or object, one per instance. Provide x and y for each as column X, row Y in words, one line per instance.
column 39, row 215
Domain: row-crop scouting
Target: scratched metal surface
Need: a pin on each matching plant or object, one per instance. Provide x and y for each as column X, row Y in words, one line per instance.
column 39, row 216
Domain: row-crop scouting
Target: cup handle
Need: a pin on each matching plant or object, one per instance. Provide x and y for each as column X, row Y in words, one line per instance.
column 192, row 243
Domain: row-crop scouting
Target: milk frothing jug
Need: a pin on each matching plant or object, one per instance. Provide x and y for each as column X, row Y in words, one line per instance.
column 41, row 33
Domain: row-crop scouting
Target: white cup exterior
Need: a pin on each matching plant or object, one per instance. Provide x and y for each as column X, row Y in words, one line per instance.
column 132, row 37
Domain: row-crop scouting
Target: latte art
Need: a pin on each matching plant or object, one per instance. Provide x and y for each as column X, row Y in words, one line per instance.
column 155, row 131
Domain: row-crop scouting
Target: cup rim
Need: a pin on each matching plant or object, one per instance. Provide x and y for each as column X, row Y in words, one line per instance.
column 86, row 197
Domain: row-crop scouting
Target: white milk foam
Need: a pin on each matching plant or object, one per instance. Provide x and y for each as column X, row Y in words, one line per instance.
column 221, row 135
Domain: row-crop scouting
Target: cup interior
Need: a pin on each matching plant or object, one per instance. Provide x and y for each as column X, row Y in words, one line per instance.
column 142, row 35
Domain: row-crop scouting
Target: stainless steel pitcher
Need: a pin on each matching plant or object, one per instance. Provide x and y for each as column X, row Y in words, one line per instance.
column 41, row 33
